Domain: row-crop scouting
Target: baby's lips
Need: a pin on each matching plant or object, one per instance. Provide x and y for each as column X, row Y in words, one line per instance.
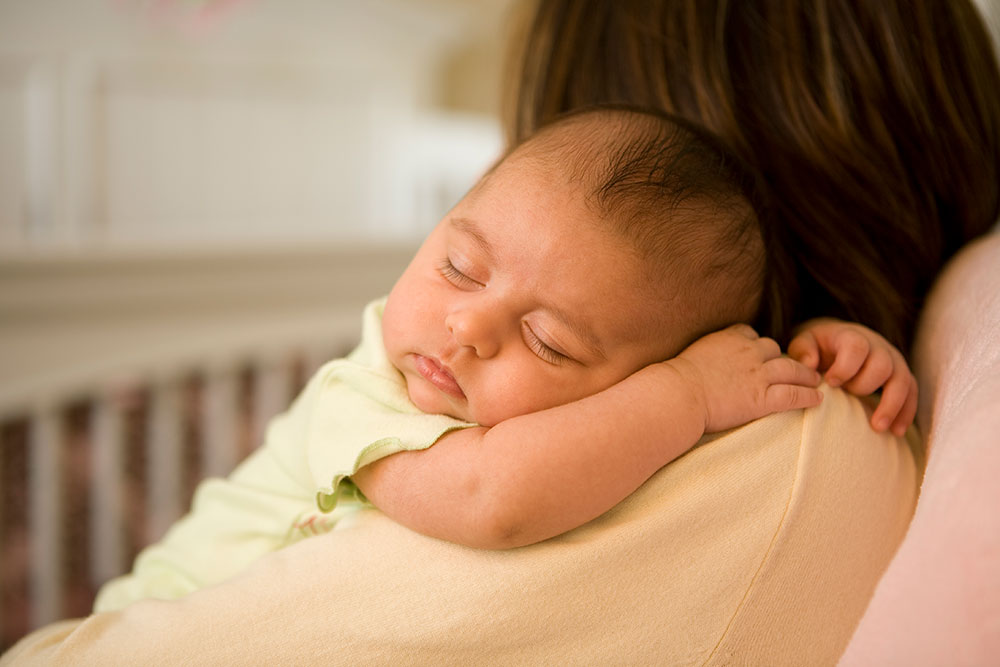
column 438, row 375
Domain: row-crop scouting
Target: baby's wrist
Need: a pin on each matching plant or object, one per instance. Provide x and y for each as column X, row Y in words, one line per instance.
column 688, row 386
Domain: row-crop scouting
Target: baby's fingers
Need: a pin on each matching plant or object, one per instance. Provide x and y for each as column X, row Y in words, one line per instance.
column 878, row 370
column 909, row 411
column 804, row 348
column 791, row 385
column 898, row 404
column 851, row 349
column 781, row 397
column 783, row 370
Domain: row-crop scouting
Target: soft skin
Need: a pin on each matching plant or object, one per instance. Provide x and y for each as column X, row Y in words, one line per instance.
column 519, row 301
column 861, row 361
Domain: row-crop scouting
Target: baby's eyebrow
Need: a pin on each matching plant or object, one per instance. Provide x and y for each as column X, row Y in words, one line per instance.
column 470, row 228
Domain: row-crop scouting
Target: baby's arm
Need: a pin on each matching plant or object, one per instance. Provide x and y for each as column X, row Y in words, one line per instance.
column 862, row 361
column 541, row 474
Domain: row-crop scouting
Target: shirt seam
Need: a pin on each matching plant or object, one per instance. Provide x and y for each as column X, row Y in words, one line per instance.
column 770, row 548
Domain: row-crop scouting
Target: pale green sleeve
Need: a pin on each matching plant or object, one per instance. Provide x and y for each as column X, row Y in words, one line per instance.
column 232, row 523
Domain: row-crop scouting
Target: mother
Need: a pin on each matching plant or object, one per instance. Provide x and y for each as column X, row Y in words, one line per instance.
column 876, row 125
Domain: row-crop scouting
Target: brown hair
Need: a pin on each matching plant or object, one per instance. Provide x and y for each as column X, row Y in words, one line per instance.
column 875, row 127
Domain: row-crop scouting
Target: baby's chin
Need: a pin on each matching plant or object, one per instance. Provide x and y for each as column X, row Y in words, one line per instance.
column 434, row 403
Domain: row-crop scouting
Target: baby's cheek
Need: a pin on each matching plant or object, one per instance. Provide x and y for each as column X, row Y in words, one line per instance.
column 389, row 336
column 496, row 408
column 514, row 403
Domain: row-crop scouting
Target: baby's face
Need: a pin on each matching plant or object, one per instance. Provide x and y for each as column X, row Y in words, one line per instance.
column 520, row 300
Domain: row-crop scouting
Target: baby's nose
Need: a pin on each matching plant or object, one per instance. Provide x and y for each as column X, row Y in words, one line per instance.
column 474, row 328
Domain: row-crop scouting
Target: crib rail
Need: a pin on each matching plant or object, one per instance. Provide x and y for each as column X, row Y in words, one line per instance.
column 124, row 380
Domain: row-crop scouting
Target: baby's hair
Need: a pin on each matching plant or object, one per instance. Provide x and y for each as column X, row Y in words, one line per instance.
column 685, row 204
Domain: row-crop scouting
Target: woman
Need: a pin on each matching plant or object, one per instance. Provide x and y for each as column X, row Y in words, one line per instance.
column 876, row 126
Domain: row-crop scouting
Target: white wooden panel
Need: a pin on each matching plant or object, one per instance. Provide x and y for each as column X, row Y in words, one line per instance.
column 241, row 152
column 42, row 141
column 219, row 412
column 124, row 125
column 45, row 516
column 67, row 323
column 47, row 170
column 106, row 494
column 164, row 472
column 272, row 380
column 13, row 153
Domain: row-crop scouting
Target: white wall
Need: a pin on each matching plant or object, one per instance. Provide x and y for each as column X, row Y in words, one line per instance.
column 991, row 10
column 144, row 123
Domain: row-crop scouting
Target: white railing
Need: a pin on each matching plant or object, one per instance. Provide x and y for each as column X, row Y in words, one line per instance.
column 125, row 379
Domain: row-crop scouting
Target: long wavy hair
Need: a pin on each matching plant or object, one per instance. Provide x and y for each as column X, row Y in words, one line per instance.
column 875, row 126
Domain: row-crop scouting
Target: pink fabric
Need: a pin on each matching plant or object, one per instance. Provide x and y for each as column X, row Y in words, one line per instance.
column 939, row 601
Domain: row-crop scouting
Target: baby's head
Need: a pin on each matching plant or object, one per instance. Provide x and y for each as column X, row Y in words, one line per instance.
column 607, row 241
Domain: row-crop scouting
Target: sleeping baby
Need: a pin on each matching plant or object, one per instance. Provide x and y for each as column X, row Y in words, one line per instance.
column 576, row 322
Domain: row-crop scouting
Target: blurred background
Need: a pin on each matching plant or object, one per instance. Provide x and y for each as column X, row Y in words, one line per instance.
column 179, row 122
column 197, row 197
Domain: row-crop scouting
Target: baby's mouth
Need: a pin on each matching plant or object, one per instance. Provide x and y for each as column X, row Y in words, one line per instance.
column 438, row 375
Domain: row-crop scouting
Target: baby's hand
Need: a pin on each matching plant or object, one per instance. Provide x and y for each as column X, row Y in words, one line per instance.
column 740, row 376
column 862, row 361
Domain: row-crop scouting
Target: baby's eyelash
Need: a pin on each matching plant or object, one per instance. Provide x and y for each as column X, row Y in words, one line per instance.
column 543, row 351
column 454, row 276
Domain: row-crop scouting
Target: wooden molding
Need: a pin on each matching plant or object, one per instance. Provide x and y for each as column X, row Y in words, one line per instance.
column 72, row 324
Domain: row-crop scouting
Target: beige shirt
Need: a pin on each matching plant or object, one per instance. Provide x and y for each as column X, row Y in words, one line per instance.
column 761, row 546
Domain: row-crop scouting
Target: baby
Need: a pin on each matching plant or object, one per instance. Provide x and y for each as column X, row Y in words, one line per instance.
column 551, row 340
